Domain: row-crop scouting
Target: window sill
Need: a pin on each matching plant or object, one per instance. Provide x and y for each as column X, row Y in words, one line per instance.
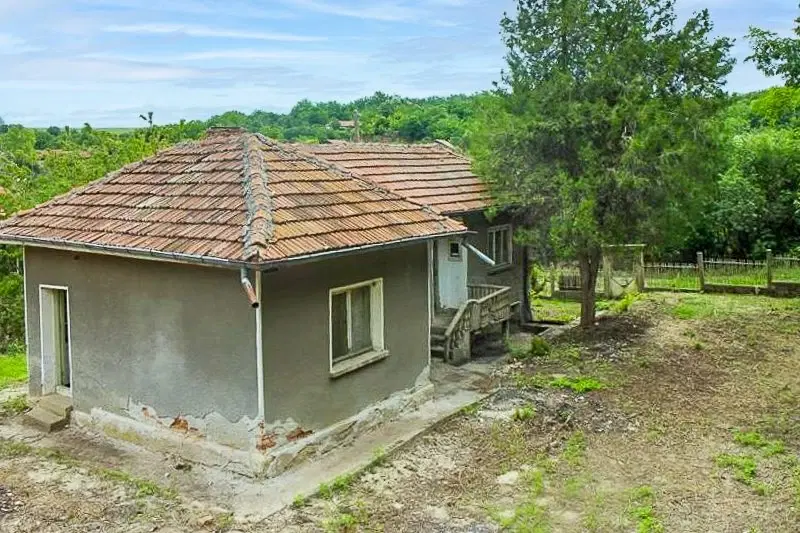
column 500, row 268
column 351, row 365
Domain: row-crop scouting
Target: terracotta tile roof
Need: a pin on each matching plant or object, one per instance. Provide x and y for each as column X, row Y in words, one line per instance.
column 433, row 174
column 233, row 197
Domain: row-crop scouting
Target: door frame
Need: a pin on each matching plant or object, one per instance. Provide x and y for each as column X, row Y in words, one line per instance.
column 53, row 386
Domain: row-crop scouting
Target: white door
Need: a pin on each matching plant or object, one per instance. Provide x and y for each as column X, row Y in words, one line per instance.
column 55, row 341
column 451, row 273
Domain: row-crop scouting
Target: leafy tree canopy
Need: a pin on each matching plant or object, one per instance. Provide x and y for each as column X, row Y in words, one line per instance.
column 777, row 56
column 598, row 133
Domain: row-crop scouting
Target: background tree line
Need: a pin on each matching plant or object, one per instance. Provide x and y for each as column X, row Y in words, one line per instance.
column 699, row 169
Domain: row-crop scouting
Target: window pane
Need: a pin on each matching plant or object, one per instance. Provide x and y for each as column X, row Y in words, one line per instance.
column 339, row 325
column 361, row 315
column 502, row 236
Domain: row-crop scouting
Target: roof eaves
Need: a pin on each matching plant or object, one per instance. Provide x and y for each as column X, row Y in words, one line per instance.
column 259, row 227
column 325, row 254
column 124, row 251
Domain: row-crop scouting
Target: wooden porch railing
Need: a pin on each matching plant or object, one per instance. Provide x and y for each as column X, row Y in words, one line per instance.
column 486, row 305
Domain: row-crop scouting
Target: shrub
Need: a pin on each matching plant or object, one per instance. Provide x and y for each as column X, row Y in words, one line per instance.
column 540, row 347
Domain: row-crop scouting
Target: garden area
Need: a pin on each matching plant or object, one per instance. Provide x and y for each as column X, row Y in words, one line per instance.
column 678, row 412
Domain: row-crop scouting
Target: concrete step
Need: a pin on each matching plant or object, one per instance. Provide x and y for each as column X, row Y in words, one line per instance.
column 437, row 339
column 56, row 404
column 44, row 420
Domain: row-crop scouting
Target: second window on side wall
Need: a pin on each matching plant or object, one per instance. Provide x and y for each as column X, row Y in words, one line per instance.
column 499, row 244
column 356, row 320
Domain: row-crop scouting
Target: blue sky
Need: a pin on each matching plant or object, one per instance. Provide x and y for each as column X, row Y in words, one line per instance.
column 106, row 61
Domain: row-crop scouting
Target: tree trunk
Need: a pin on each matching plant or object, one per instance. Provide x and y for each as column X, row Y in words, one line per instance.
column 527, row 312
column 589, row 264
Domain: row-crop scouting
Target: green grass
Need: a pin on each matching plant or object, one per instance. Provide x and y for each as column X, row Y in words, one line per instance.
column 347, row 519
column 529, row 517
column 575, row 450
column 796, row 488
column 579, row 384
column 299, row 502
column 677, row 281
column 10, row 448
column 641, row 510
column 521, row 414
column 13, row 368
column 538, row 348
column 687, row 280
column 694, row 307
column 14, row 406
column 753, row 439
column 744, row 467
column 551, row 310
column 340, row 484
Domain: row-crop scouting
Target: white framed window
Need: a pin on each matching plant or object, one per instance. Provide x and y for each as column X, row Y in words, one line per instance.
column 356, row 326
column 499, row 244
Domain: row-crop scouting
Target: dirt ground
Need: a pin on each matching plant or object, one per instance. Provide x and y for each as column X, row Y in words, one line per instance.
column 681, row 414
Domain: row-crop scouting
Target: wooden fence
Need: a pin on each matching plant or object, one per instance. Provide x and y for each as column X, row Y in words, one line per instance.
column 777, row 275
column 774, row 275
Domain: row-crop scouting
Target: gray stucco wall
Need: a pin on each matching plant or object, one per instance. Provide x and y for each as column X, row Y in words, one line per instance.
column 296, row 348
column 480, row 272
column 177, row 338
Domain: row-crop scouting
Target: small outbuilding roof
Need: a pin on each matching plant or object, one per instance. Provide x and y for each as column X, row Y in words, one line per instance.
column 234, row 197
column 434, row 174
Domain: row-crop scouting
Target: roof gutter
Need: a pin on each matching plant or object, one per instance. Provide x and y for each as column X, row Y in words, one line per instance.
column 139, row 253
column 356, row 250
column 174, row 257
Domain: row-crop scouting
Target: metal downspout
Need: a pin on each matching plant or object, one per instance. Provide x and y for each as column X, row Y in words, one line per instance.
column 254, row 296
column 482, row 256
column 260, row 351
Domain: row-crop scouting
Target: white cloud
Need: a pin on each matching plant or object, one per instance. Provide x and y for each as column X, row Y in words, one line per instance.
column 94, row 70
column 207, row 31
column 242, row 9
column 385, row 11
column 11, row 45
column 250, row 55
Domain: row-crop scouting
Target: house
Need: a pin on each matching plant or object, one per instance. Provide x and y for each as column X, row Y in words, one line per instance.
column 232, row 291
column 490, row 269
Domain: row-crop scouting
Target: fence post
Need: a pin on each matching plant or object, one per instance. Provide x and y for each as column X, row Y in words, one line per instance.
column 701, row 271
column 769, row 269
column 552, row 280
column 607, row 272
column 640, row 270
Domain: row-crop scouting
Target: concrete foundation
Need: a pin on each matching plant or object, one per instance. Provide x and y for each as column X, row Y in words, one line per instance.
column 199, row 440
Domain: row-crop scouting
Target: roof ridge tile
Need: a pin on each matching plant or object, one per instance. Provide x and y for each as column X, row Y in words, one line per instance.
column 259, row 228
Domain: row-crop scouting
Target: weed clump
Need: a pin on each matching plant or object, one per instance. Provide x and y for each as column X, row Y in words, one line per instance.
column 521, row 414
column 539, row 348
column 579, row 384
column 575, row 450
column 753, row 439
column 14, row 405
column 624, row 304
column 641, row 509
column 743, row 466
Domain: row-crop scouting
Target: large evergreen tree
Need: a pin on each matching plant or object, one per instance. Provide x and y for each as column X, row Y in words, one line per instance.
column 598, row 135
